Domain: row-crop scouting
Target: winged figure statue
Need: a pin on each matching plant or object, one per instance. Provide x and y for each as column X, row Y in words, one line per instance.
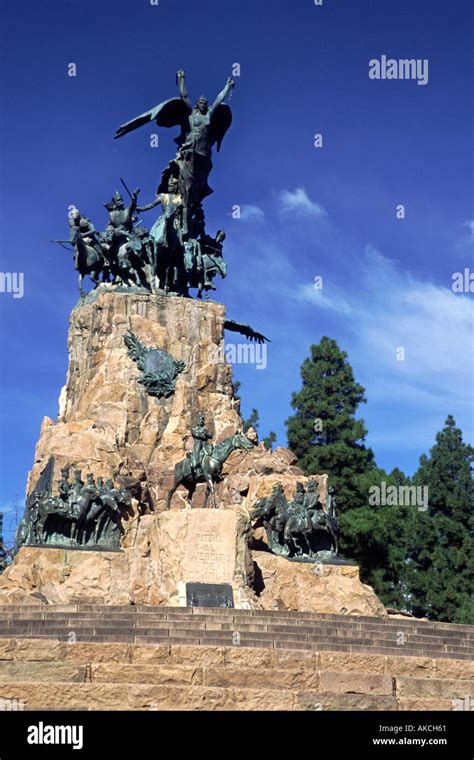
column 201, row 127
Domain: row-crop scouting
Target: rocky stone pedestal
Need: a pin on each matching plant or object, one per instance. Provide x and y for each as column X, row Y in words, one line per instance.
column 109, row 425
column 166, row 551
column 313, row 587
column 161, row 554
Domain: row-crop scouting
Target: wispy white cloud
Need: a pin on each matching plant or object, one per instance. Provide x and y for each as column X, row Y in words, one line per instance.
column 373, row 305
column 391, row 309
column 250, row 213
column 322, row 297
column 298, row 202
column 470, row 225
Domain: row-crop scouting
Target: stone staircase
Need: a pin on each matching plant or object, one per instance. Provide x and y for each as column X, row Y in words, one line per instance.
column 101, row 657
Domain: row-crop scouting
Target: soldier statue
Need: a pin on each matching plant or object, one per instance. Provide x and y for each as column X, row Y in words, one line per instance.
column 297, row 506
column 167, row 236
column 64, row 486
column 200, row 447
column 311, row 499
column 77, row 485
column 81, row 225
column 89, row 258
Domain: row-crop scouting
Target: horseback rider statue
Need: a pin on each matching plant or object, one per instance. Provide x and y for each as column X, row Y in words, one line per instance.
column 89, row 258
column 300, row 528
column 205, row 462
column 313, row 505
column 200, row 447
column 81, row 225
column 64, row 486
column 121, row 239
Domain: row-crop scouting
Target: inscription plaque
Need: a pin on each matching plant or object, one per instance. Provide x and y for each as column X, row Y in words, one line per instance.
column 209, row 595
column 210, row 546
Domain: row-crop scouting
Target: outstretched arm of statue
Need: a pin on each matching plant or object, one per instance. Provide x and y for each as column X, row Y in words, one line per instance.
column 133, row 202
column 230, row 84
column 180, row 76
column 151, row 205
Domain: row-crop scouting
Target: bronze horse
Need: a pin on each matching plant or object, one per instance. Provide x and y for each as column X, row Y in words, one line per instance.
column 88, row 259
column 211, row 468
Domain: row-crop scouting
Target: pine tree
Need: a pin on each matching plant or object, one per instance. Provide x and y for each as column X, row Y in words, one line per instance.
column 327, row 438
column 269, row 440
column 252, row 422
column 448, row 475
column 324, row 433
column 440, row 566
column 376, row 536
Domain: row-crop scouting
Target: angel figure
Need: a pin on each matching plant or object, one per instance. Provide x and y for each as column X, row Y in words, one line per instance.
column 202, row 127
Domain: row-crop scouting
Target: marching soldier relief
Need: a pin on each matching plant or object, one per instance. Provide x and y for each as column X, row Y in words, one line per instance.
column 82, row 515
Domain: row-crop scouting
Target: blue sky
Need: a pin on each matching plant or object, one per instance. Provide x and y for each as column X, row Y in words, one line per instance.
column 306, row 211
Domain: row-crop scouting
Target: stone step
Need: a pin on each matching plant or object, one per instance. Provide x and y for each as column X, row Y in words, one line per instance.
column 163, row 697
column 143, row 624
column 123, row 686
column 231, row 614
column 231, row 622
column 189, row 675
column 229, row 637
column 256, row 628
column 202, row 654
column 254, row 640
column 27, row 626
column 156, row 677
column 235, row 616
column 265, row 616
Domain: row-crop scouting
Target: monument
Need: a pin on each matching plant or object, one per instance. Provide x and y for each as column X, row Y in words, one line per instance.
column 146, row 489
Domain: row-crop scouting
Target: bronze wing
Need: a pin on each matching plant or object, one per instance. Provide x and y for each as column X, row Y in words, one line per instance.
column 221, row 119
column 246, row 330
column 170, row 113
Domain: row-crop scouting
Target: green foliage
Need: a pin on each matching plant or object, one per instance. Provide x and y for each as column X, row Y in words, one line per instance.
column 269, row 440
column 448, row 475
column 327, row 438
column 324, row 433
column 252, row 421
column 418, row 561
column 376, row 536
column 440, row 565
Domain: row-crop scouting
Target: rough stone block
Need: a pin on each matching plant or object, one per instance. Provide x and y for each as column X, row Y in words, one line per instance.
column 347, row 682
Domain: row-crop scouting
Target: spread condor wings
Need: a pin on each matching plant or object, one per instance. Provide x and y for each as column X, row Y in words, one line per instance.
column 246, row 330
column 170, row 113
column 175, row 113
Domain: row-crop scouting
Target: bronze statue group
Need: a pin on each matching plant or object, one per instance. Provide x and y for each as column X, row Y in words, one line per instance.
column 83, row 514
column 176, row 254
column 300, row 528
column 89, row 514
